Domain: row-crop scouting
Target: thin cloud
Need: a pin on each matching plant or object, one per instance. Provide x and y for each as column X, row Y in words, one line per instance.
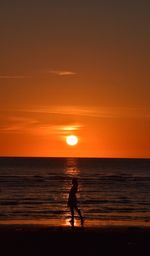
column 36, row 126
column 62, row 72
column 76, row 111
column 99, row 112
column 16, row 124
column 38, row 121
column 13, row 77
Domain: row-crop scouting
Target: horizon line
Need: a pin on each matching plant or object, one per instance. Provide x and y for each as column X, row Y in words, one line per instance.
column 92, row 157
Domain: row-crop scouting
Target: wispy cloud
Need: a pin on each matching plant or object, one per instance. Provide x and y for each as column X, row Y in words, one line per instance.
column 60, row 120
column 17, row 124
column 62, row 72
column 13, row 77
column 36, row 126
column 97, row 112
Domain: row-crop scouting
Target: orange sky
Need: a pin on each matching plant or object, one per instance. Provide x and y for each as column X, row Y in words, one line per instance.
column 77, row 67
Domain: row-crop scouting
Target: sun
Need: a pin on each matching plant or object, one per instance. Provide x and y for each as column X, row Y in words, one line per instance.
column 72, row 140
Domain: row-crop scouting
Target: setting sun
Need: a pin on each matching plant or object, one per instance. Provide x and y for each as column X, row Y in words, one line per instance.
column 72, row 140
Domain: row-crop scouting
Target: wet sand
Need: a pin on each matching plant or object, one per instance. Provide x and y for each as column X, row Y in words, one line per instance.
column 59, row 240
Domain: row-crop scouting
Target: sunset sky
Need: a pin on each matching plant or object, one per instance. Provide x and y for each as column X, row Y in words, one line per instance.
column 75, row 67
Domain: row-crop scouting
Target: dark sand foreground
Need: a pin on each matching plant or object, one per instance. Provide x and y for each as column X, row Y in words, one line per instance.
column 44, row 240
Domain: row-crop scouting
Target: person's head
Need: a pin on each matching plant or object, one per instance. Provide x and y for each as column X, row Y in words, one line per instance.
column 74, row 181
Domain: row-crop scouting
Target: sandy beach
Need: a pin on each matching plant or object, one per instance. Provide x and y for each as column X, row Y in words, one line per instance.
column 50, row 240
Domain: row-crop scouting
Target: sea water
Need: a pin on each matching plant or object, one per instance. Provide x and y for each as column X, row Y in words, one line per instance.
column 110, row 190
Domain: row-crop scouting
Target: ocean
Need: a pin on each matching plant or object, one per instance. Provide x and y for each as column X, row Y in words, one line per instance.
column 111, row 191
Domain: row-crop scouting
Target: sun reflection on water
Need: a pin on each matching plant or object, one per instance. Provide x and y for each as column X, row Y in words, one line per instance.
column 71, row 168
column 67, row 222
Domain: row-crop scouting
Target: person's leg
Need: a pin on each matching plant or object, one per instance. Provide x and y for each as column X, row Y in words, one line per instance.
column 72, row 216
column 79, row 213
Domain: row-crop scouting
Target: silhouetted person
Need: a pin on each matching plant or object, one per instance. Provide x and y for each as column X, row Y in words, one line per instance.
column 72, row 201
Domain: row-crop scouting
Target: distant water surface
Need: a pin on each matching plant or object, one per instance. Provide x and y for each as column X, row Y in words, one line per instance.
column 110, row 190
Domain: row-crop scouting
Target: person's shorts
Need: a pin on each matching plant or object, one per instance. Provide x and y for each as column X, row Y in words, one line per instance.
column 72, row 204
